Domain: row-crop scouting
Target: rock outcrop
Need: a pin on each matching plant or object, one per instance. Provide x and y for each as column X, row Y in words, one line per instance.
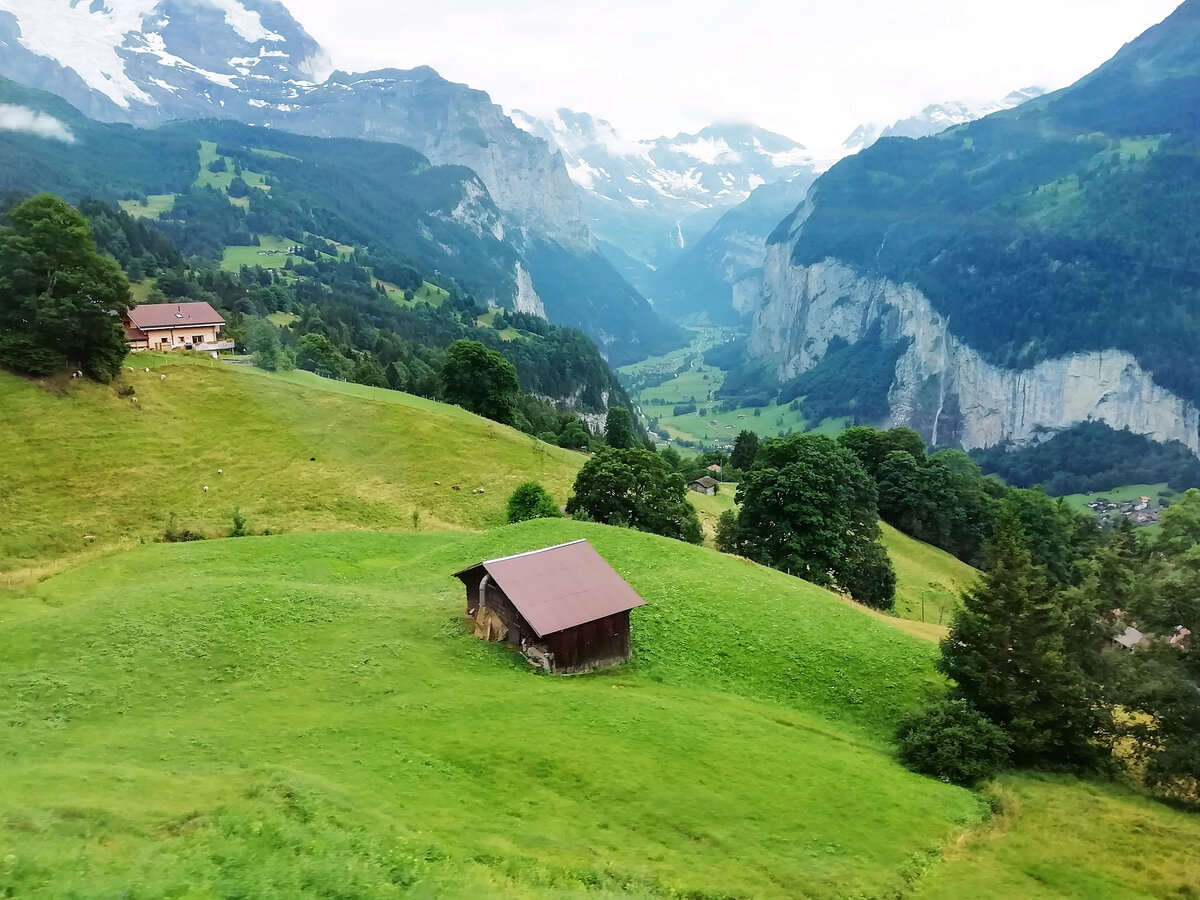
column 944, row 388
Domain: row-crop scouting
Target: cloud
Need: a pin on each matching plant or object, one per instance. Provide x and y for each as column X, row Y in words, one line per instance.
column 20, row 118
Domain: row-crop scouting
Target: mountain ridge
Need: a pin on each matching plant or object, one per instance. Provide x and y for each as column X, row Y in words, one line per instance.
column 1046, row 235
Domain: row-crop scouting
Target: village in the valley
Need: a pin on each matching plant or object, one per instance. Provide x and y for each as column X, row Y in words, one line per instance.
column 1142, row 511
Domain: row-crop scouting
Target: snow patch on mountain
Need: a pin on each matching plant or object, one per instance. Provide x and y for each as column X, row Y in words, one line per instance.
column 87, row 42
column 246, row 22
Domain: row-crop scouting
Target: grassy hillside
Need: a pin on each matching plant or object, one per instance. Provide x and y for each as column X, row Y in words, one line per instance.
column 1062, row 838
column 296, row 456
column 929, row 581
column 306, row 715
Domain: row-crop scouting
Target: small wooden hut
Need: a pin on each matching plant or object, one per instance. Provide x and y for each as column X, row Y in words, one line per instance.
column 706, row 485
column 564, row 606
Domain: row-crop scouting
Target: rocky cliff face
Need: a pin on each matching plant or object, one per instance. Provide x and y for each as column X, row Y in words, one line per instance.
column 943, row 388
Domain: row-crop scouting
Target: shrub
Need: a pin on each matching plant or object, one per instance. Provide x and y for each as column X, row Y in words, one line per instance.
column 173, row 534
column 239, row 524
column 531, row 501
column 953, row 741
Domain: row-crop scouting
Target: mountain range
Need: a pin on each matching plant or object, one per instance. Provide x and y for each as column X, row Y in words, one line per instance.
column 1015, row 276
column 144, row 63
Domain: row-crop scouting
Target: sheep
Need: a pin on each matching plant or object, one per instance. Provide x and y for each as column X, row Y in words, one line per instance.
column 147, row 370
column 89, row 539
column 162, row 377
column 206, row 489
column 455, row 487
column 133, row 399
column 220, row 471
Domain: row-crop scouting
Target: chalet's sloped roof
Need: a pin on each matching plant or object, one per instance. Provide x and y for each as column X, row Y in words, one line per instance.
column 151, row 316
column 560, row 587
column 1130, row 638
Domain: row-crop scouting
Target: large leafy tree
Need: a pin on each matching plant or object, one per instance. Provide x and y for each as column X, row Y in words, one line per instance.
column 809, row 507
column 638, row 489
column 1010, row 656
column 61, row 302
column 482, row 381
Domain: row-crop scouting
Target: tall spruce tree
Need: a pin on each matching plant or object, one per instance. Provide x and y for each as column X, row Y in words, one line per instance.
column 1009, row 655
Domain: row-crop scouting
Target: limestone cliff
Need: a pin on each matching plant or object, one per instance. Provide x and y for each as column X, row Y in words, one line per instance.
column 942, row 387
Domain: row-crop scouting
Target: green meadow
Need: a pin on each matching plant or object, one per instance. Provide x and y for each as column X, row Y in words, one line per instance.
column 307, row 714
column 296, row 453
column 155, row 206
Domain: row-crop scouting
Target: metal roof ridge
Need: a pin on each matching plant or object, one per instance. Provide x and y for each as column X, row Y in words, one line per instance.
column 532, row 552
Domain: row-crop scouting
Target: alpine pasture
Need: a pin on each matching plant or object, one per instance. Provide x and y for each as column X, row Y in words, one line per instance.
column 307, row 714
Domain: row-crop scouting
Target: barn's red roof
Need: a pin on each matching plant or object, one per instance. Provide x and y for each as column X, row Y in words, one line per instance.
column 152, row 316
column 560, row 587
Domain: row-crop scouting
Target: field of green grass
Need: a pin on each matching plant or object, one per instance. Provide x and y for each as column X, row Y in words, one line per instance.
column 221, row 180
column 1079, row 502
column 1061, row 838
column 693, row 381
column 929, row 581
column 306, row 714
column 426, row 293
column 275, row 247
column 82, row 461
column 156, row 205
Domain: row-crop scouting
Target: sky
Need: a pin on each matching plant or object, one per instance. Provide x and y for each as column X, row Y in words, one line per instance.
column 810, row 69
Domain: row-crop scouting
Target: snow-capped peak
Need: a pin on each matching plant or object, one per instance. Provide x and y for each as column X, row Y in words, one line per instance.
column 130, row 51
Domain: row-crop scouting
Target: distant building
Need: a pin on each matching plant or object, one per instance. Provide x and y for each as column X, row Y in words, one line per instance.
column 175, row 326
column 716, row 470
column 1129, row 639
column 706, row 485
column 564, row 606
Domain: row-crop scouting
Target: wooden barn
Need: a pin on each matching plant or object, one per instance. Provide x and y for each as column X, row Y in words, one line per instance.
column 564, row 606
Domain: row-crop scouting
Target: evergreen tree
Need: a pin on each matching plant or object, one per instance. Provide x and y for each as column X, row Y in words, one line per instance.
column 618, row 429
column 745, row 448
column 1009, row 656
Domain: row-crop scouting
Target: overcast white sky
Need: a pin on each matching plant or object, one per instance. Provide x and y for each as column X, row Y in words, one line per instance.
column 810, row 69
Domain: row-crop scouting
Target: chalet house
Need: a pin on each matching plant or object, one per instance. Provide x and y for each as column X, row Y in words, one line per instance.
column 706, row 485
column 716, row 470
column 175, row 326
column 564, row 606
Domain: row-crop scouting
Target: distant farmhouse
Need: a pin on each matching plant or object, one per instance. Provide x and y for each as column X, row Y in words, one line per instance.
column 175, row 326
column 706, row 485
column 564, row 606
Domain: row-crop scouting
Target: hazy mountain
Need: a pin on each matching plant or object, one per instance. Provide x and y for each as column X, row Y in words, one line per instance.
column 652, row 199
column 932, row 119
column 1015, row 275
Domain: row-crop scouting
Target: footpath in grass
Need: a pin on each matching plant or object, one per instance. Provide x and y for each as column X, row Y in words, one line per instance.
column 328, row 726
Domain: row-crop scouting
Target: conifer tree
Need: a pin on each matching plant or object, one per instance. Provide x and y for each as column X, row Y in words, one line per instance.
column 1009, row 654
